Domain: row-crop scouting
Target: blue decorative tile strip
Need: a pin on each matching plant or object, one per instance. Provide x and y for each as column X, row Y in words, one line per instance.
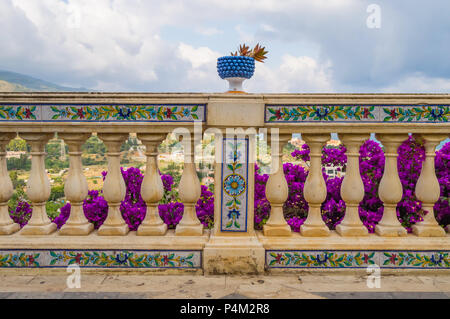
column 103, row 112
column 357, row 113
column 357, row 259
column 234, row 194
column 101, row 258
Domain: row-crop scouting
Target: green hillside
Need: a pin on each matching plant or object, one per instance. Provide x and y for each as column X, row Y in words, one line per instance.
column 16, row 82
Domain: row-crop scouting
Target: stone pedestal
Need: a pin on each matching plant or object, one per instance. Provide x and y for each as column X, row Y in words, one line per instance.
column 233, row 255
column 233, row 246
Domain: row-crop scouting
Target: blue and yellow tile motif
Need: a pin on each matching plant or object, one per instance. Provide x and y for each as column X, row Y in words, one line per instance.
column 234, row 199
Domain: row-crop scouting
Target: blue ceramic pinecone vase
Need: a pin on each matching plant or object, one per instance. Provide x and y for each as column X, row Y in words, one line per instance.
column 235, row 67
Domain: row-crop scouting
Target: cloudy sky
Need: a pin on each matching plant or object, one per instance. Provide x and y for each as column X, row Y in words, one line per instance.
column 172, row 45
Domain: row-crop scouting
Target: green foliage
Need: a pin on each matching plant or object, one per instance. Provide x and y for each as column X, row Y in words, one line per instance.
column 56, row 164
column 53, row 150
column 21, row 163
column 174, row 170
column 211, row 187
column 14, row 175
column 94, row 146
column 18, row 195
column 18, row 145
column 57, row 192
column 130, row 143
column 53, row 208
column 289, row 148
column 88, row 161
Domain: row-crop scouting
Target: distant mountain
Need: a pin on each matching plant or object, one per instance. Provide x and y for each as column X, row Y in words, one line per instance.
column 16, row 82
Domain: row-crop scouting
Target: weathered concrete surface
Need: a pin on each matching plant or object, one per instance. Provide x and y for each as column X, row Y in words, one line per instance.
column 187, row 286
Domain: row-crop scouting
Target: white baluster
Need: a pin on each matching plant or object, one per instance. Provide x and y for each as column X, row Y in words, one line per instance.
column 7, row 225
column 315, row 189
column 114, row 189
column 76, row 187
column 38, row 186
column 390, row 189
column 189, row 192
column 428, row 191
column 352, row 188
column 277, row 190
column 152, row 189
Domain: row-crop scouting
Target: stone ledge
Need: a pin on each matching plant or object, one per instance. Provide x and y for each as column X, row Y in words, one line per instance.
column 370, row 242
column 351, row 253
column 156, row 254
column 93, row 241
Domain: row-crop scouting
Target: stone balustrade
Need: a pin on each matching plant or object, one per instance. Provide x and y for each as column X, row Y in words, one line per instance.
column 232, row 245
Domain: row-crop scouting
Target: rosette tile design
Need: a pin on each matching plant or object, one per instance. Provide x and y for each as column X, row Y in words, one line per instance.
column 234, row 194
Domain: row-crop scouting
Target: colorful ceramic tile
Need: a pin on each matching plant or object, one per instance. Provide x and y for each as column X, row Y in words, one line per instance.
column 357, row 259
column 357, row 113
column 100, row 258
column 411, row 259
column 234, row 172
column 103, row 112
column 19, row 113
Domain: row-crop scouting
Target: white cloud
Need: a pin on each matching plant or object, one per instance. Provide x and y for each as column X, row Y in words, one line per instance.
column 202, row 76
column 208, row 31
column 417, row 83
column 295, row 74
column 135, row 45
column 244, row 35
column 267, row 27
column 197, row 57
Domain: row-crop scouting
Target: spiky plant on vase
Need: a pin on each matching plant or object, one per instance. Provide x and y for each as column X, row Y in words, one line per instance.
column 240, row 66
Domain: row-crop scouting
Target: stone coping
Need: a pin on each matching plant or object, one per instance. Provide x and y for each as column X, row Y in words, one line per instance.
column 171, row 241
column 370, row 242
column 190, row 253
column 93, row 241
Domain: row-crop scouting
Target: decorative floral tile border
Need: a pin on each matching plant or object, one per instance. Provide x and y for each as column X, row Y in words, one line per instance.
column 234, row 178
column 357, row 259
column 436, row 113
column 103, row 112
column 101, row 258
